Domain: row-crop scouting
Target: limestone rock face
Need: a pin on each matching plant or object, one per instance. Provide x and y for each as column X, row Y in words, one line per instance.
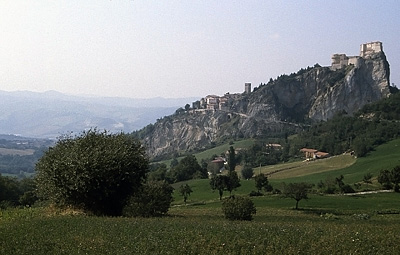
column 367, row 82
column 280, row 106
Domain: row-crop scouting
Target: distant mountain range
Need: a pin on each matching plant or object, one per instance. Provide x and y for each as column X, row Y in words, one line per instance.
column 50, row 114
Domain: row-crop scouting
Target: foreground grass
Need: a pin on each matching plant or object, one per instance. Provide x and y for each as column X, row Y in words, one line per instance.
column 325, row 225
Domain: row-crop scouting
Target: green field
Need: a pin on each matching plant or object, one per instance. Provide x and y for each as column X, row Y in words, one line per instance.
column 325, row 225
column 329, row 224
column 5, row 151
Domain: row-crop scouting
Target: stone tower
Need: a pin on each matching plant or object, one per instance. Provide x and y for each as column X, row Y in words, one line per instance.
column 369, row 48
column 247, row 87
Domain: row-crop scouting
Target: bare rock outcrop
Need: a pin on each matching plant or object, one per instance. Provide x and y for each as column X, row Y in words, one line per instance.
column 281, row 106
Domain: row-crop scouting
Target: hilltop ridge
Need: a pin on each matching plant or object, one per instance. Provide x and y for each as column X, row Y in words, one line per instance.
column 280, row 107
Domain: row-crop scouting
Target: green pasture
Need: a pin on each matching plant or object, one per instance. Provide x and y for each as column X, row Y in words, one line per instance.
column 385, row 156
column 324, row 225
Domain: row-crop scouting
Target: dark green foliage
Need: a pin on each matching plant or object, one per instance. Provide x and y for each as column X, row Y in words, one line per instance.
column 14, row 192
column 390, row 179
column 95, row 171
column 188, row 168
column 28, row 198
column 158, row 172
column 238, row 208
column 247, row 172
column 255, row 194
column 373, row 125
column 346, row 188
column 218, row 182
column 9, row 191
column 174, row 163
column 153, row 199
column 233, row 182
column 367, row 178
column 328, row 186
column 185, row 191
column 261, row 155
column 232, row 159
column 261, row 182
column 384, row 179
column 21, row 161
column 296, row 191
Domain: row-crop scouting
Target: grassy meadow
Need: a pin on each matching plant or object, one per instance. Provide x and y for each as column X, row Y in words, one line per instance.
column 325, row 224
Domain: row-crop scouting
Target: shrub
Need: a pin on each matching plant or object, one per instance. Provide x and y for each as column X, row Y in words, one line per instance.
column 94, row 171
column 247, row 172
column 347, row 189
column 153, row 199
column 255, row 193
column 238, row 208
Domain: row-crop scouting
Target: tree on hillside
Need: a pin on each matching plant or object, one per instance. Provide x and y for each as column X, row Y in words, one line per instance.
column 233, row 182
column 296, row 191
column 384, row 179
column 395, row 177
column 188, row 168
column 9, row 191
column 95, row 171
column 261, row 182
column 219, row 182
column 158, row 172
column 185, row 191
column 247, row 172
column 232, row 159
column 390, row 179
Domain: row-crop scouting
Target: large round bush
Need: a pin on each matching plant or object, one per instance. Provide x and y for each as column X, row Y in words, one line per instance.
column 95, row 171
column 238, row 208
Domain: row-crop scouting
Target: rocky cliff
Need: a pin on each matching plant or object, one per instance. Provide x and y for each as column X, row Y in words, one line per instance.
column 280, row 106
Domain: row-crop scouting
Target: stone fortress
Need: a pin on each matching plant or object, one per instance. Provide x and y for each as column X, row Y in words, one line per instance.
column 222, row 103
column 366, row 49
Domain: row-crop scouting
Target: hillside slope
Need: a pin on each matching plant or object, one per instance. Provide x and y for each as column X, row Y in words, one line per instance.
column 275, row 109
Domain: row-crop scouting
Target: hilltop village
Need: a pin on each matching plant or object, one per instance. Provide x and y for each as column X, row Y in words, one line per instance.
column 338, row 61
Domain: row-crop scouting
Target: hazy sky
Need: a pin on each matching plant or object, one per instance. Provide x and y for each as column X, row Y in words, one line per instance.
column 145, row 48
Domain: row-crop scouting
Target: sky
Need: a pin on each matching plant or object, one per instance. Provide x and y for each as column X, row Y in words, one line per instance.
column 175, row 49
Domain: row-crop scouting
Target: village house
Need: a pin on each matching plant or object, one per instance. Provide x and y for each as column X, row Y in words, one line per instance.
column 274, row 146
column 311, row 154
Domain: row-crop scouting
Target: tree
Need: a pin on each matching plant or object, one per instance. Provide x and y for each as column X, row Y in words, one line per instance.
column 174, row 163
column 9, row 191
column 261, row 182
column 188, row 168
column 367, row 178
column 296, row 191
column 395, row 178
column 158, row 172
column 232, row 159
column 247, row 172
column 153, row 199
column 95, row 171
column 185, row 191
column 238, row 208
column 219, row 182
column 233, row 182
column 384, row 179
